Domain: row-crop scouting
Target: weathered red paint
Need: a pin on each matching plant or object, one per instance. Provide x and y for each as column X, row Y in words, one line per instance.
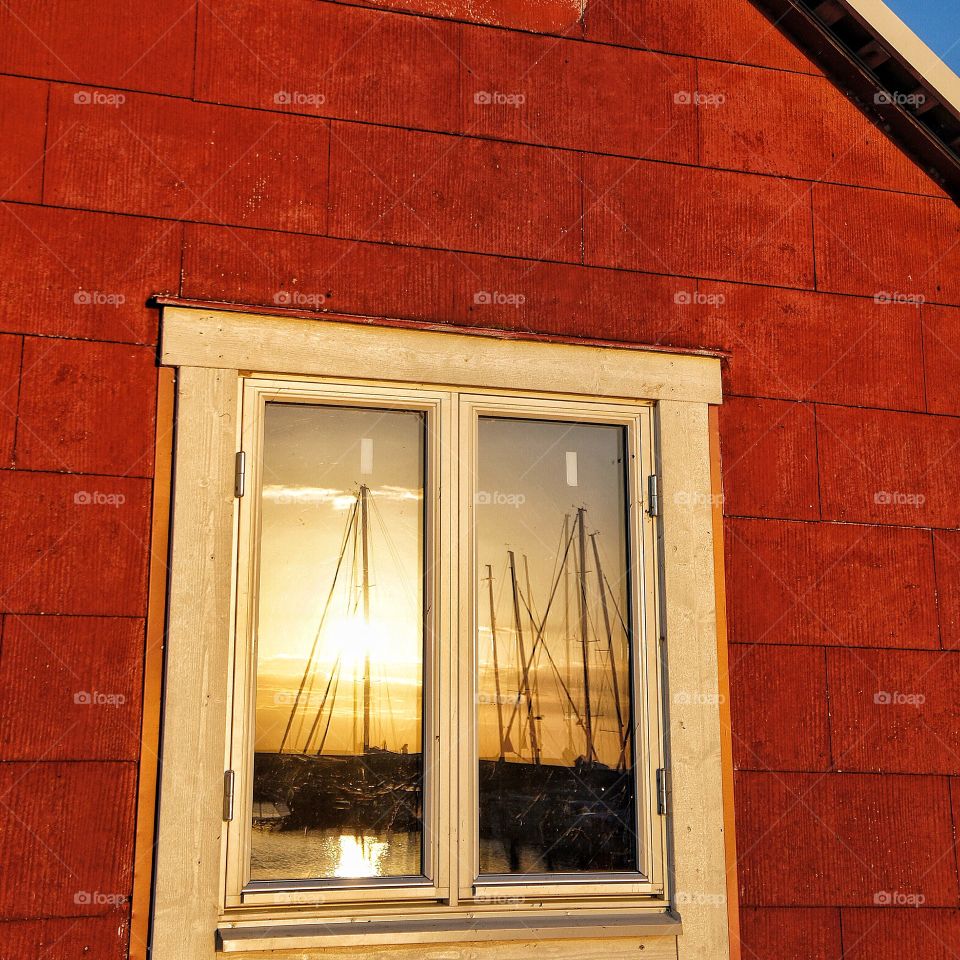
column 895, row 711
column 837, row 585
column 108, row 42
column 66, row 939
column 73, row 544
column 878, row 466
column 726, row 30
column 536, row 90
column 793, row 934
column 887, row 245
column 11, row 349
column 894, row 934
column 79, row 839
column 770, row 464
column 322, row 273
column 805, row 345
column 154, row 156
column 23, row 105
column 697, row 222
column 941, row 337
column 754, row 124
column 374, row 67
column 543, row 16
column 77, row 266
column 71, row 686
column 806, row 839
column 87, row 407
column 413, row 188
column 779, row 707
column 947, row 553
column 676, row 173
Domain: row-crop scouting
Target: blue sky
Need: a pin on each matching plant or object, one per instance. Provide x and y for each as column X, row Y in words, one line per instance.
column 936, row 22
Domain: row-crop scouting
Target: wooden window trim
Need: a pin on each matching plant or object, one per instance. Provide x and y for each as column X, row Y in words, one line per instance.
column 211, row 349
column 241, row 892
column 638, row 419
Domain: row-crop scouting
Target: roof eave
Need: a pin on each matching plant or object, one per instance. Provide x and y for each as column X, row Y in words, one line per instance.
column 892, row 76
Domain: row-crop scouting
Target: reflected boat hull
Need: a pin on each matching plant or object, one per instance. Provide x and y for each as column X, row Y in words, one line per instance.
column 379, row 790
column 580, row 817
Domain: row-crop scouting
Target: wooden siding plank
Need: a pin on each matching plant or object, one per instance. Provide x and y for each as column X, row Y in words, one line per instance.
column 842, row 585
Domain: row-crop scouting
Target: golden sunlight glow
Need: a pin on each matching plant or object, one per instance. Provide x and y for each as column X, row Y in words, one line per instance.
column 353, row 639
column 359, row 857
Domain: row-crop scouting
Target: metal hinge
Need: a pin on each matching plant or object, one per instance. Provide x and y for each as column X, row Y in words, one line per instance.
column 240, row 474
column 662, row 792
column 653, row 495
column 228, row 779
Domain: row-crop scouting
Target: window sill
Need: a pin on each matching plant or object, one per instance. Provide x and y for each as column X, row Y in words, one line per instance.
column 353, row 933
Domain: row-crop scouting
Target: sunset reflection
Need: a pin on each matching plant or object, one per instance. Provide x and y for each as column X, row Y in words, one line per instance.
column 554, row 694
column 338, row 752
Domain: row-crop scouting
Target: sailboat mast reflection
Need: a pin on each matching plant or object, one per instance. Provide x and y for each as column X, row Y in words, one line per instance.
column 555, row 780
column 371, row 787
column 338, row 763
column 616, row 639
column 556, row 788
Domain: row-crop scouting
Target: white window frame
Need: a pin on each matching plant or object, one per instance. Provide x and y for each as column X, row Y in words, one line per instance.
column 196, row 910
column 240, row 891
column 637, row 418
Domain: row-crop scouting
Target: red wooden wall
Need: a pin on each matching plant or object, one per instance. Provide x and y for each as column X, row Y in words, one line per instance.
column 662, row 171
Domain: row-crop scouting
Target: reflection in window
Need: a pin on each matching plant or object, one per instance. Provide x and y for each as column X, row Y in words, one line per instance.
column 338, row 768
column 556, row 768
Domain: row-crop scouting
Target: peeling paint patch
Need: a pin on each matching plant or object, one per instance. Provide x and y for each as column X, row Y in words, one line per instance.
column 542, row 16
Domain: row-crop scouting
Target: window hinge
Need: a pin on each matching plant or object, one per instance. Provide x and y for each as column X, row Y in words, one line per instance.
column 228, row 779
column 662, row 808
column 653, row 495
column 240, row 474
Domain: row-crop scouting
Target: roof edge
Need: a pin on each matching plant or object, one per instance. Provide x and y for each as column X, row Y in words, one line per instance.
column 881, row 65
column 877, row 15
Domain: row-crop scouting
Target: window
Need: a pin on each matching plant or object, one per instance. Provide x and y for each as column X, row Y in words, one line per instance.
column 427, row 618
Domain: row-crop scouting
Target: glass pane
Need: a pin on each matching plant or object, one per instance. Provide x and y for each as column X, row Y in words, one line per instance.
column 556, row 777
column 338, row 763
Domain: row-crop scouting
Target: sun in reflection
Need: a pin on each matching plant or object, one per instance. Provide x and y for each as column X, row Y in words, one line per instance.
column 359, row 857
column 393, row 648
column 353, row 639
